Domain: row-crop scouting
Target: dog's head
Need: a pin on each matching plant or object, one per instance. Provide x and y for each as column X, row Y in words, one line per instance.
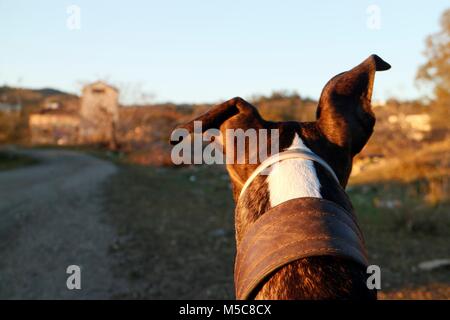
column 343, row 126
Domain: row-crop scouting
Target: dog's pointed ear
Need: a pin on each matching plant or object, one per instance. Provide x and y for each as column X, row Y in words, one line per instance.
column 219, row 114
column 344, row 113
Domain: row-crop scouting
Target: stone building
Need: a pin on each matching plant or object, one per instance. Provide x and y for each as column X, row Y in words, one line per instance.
column 99, row 113
column 89, row 120
column 54, row 128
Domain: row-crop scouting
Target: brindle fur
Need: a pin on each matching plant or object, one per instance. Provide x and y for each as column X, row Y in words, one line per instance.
column 343, row 126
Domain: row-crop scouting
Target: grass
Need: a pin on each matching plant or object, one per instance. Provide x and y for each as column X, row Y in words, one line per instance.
column 176, row 231
column 9, row 161
column 428, row 163
column 401, row 231
column 404, row 209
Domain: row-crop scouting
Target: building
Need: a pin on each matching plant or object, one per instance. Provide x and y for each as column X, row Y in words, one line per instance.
column 68, row 120
column 54, row 126
column 99, row 113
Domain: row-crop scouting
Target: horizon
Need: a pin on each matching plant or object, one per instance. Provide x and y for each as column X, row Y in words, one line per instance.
column 251, row 98
column 206, row 53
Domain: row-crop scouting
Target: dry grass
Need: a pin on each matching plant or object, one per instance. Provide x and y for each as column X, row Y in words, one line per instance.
column 404, row 208
column 426, row 292
column 176, row 232
column 429, row 162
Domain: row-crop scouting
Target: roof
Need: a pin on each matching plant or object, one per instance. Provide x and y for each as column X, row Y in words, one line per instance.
column 97, row 83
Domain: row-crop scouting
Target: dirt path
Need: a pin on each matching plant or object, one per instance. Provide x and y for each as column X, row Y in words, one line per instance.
column 51, row 217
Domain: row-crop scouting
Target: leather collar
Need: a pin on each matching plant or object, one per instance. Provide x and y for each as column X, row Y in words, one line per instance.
column 292, row 230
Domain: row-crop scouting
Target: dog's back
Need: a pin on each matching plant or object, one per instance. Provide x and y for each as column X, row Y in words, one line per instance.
column 323, row 277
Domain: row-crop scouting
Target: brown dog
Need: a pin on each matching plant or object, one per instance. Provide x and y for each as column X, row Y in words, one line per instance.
column 344, row 124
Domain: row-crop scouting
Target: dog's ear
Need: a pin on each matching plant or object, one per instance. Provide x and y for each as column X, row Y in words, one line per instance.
column 344, row 114
column 216, row 116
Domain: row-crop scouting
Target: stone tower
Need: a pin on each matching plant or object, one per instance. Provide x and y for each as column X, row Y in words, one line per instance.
column 99, row 113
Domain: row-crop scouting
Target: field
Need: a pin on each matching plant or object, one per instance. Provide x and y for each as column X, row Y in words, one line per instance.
column 176, row 236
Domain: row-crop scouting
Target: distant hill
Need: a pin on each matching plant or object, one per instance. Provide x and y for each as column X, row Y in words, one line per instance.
column 51, row 92
column 12, row 94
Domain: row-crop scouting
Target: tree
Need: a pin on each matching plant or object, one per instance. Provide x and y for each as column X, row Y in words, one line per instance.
column 436, row 71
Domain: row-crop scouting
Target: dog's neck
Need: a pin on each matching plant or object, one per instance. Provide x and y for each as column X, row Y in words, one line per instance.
column 286, row 180
column 293, row 178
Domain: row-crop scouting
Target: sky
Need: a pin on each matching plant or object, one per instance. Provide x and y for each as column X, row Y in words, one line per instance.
column 210, row 51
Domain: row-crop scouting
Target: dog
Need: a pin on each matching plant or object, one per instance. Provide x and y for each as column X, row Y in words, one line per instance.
column 344, row 124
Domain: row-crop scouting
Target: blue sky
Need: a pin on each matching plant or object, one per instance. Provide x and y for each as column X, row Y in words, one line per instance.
column 208, row 51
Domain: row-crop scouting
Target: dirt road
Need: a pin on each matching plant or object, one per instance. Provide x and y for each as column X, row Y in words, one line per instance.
column 51, row 217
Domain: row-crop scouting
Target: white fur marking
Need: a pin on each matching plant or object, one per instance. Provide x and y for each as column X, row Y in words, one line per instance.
column 293, row 178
